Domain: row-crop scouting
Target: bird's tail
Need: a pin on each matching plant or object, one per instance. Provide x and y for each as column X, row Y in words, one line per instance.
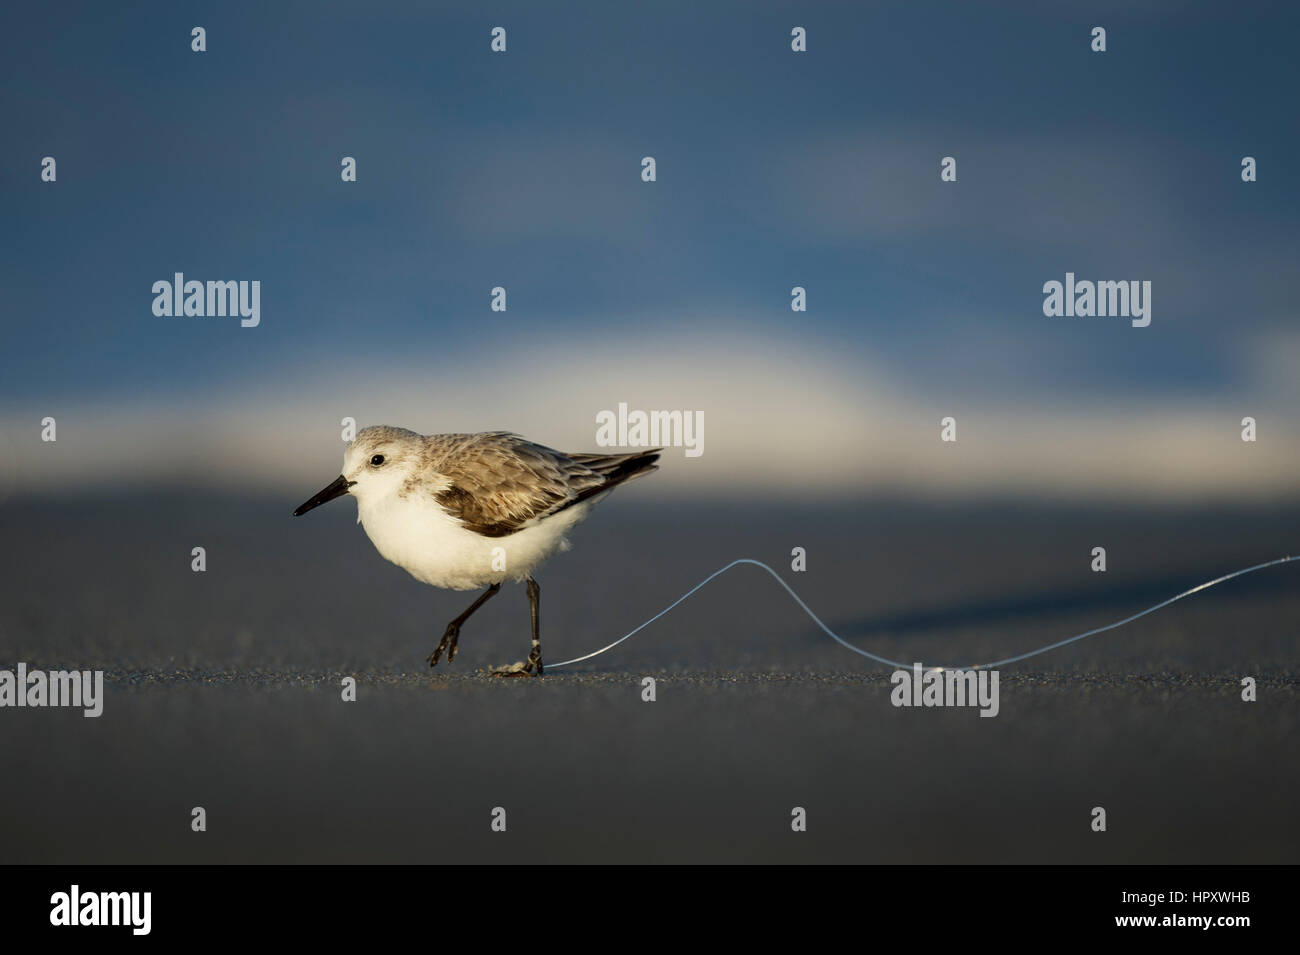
column 617, row 469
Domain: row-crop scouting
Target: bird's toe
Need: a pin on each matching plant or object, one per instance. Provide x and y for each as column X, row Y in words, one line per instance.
column 521, row 668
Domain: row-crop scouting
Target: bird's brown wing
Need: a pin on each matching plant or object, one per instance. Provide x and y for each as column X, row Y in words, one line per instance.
column 497, row 482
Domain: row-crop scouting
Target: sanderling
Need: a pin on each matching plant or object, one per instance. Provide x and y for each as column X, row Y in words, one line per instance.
column 463, row 511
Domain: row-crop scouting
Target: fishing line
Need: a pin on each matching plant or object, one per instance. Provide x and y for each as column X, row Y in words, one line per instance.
column 893, row 663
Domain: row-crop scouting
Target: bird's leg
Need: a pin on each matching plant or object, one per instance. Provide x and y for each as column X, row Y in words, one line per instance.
column 533, row 665
column 534, row 600
column 449, row 638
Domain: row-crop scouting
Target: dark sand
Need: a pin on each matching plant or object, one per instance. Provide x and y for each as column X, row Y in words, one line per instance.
column 223, row 690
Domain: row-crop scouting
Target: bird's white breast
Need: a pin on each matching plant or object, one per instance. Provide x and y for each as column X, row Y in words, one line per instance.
column 430, row 544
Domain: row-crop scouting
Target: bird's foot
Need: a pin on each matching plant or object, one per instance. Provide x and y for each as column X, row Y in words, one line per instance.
column 447, row 644
column 530, row 667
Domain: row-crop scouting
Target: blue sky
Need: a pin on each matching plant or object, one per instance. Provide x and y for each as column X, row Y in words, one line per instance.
column 774, row 169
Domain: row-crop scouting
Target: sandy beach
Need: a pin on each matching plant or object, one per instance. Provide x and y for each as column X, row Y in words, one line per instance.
column 223, row 690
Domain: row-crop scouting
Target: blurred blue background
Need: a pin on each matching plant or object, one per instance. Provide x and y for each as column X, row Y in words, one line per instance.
column 775, row 169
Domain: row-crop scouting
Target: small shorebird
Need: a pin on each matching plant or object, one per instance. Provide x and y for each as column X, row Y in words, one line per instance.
column 463, row 511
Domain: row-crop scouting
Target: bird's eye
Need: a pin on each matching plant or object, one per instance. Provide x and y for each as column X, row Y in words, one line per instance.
column 377, row 460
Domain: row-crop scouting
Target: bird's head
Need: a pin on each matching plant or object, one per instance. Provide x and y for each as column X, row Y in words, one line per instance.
column 375, row 466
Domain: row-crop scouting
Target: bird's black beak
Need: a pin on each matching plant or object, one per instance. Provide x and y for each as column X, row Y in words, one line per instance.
column 337, row 488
